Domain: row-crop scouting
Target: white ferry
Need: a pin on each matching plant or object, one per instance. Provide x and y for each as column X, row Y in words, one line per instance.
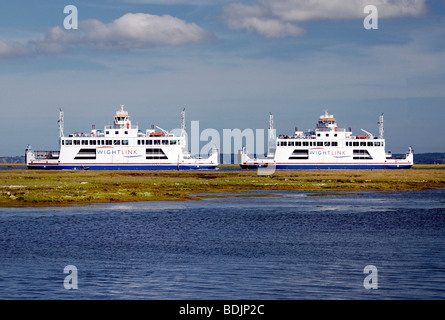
column 327, row 147
column 120, row 146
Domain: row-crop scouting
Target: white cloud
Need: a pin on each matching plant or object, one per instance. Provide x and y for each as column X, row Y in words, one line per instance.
column 12, row 49
column 131, row 31
column 140, row 30
column 256, row 18
column 277, row 18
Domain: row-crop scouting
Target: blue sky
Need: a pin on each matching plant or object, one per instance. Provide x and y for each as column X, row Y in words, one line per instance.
column 229, row 63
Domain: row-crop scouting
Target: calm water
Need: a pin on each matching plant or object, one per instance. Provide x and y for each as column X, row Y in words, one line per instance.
column 293, row 246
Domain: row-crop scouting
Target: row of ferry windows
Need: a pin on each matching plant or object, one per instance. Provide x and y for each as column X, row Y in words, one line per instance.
column 95, row 142
column 307, row 143
column 158, row 142
column 329, row 143
column 98, row 142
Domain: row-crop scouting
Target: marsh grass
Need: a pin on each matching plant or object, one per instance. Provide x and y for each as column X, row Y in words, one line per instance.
column 51, row 188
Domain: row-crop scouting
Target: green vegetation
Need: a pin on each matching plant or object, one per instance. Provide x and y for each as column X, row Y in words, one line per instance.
column 50, row 188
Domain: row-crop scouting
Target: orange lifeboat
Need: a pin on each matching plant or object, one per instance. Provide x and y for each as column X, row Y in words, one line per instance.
column 156, row 134
column 361, row 137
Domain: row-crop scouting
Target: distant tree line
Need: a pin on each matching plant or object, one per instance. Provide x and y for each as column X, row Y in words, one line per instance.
column 429, row 158
column 17, row 159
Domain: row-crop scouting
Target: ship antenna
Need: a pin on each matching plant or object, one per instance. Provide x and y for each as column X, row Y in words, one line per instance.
column 381, row 129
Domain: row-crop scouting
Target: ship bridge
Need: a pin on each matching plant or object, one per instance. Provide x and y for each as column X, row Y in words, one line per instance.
column 122, row 119
column 327, row 122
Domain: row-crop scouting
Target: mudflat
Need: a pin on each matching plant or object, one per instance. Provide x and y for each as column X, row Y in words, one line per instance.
column 60, row 188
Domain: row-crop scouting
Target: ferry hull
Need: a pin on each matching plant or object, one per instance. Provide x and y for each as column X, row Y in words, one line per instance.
column 123, row 167
column 326, row 166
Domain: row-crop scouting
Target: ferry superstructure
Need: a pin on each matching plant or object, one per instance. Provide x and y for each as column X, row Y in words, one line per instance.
column 120, row 146
column 327, row 147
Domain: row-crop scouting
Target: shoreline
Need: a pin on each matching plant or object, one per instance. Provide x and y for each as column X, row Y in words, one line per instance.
column 36, row 188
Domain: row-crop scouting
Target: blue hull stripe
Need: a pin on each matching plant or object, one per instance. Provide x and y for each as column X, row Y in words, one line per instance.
column 123, row 167
column 336, row 166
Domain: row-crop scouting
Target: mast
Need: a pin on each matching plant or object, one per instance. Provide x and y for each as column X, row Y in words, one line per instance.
column 61, row 135
column 381, row 129
column 270, row 121
column 183, row 120
column 183, row 130
column 271, row 136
